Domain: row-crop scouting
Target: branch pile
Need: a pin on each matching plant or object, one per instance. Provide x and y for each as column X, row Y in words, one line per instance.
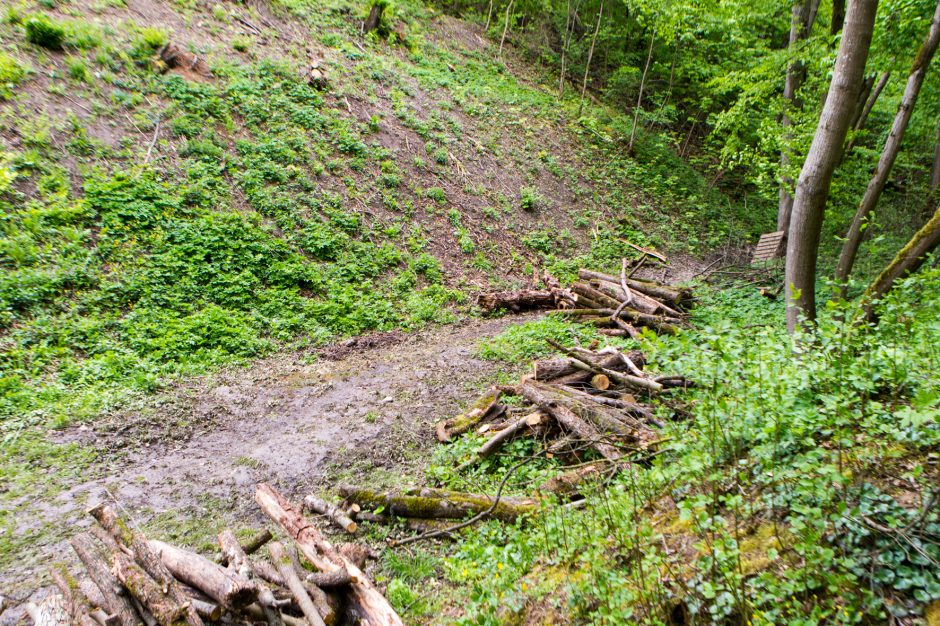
column 131, row 580
column 619, row 305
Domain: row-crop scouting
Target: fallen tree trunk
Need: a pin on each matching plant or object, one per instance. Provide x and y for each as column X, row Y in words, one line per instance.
column 436, row 503
column 551, row 369
column 293, row 583
column 524, row 300
column 228, row 588
column 568, row 484
column 366, row 601
column 674, row 295
column 113, row 602
column 76, row 604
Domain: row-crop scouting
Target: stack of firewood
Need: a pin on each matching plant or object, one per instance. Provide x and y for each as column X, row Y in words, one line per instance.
column 619, row 305
column 132, row 581
column 590, row 405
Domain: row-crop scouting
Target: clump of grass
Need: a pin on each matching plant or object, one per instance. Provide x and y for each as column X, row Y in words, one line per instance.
column 530, row 199
column 11, row 73
column 44, row 32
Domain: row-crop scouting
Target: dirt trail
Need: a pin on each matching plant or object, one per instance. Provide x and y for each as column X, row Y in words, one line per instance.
column 279, row 420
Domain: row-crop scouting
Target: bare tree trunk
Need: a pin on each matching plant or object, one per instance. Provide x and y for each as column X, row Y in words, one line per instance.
column 489, row 16
column 859, row 123
column 804, row 14
column 812, row 190
column 908, row 260
column 502, row 39
column 639, row 98
column 587, row 67
column 890, row 152
column 564, row 50
column 935, row 169
column 838, row 16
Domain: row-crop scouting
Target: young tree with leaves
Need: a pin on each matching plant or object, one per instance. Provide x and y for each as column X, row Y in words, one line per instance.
column 891, row 148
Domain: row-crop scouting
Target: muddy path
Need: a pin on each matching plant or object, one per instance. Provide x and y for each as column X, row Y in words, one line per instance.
column 186, row 463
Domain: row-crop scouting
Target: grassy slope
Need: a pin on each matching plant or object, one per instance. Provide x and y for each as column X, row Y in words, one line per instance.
column 160, row 224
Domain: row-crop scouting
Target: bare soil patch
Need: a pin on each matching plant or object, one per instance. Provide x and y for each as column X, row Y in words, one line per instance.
column 197, row 449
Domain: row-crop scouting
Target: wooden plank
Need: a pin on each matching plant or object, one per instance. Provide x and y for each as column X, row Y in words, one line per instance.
column 769, row 247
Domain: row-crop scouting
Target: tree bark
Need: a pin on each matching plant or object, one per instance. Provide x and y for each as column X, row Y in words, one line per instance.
column 908, row 260
column 935, row 168
column 890, row 151
column 502, row 39
column 367, row 602
column 801, row 24
column 75, row 602
column 51, row 611
column 824, row 154
column 228, row 588
column 485, row 406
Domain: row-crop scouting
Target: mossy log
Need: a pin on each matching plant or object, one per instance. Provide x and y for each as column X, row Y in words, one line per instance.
column 148, row 591
column 485, row 407
column 108, row 586
column 365, row 601
column 145, row 557
column 225, row 586
column 522, row 300
column 436, row 503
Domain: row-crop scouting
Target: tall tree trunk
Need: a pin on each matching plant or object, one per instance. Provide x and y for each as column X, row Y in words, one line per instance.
column 890, row 152
column 564, row 50
column 812, row 190
column 489, row 16
column 801, row 23
column 908, row 260
column 838, row 16
column 502, row 39
column 860, row 120
column 935, row 169
column 639, row 98
column 587, row 67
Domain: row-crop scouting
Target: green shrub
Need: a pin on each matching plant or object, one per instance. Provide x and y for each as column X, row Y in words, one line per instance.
column 11, row 73
column 44, row 32
column 78, row 70
column 241, row 43
column 530, row 199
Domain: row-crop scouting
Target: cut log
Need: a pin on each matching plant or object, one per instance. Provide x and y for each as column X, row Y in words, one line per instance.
column 580, row 360
column 332, row 512
column 140, row 585
column 569, row 483
column 523, row 300
column 76, row 604
column 51, row 611
column 504, row 435
column 146, row 558
column 222, row 585
column 113, row 602
column 485, row 407
column 254, row 544
column 294, row 584
column 436, row 503
column 365, row 600
column 639, row 301
column 256, row 612
column 671, row 295
column 600, row 381
column 327, row 605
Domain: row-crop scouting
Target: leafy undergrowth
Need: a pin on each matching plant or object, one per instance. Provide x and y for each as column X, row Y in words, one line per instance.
column 797, row 485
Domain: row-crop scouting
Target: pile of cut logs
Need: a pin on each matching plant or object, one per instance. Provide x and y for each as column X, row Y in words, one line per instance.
column 132, row 581
column 616, row 304
column 587, row 400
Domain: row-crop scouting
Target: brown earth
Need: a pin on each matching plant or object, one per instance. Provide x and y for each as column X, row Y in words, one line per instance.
column 194, row 453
